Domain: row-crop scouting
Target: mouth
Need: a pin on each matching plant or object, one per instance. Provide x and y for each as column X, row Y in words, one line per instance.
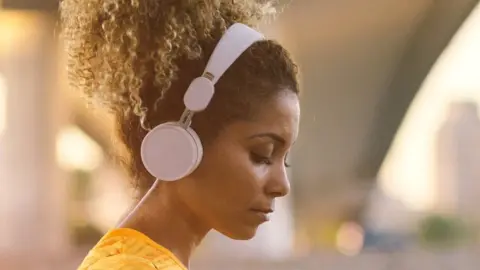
column 262, row 214
column 263, row 210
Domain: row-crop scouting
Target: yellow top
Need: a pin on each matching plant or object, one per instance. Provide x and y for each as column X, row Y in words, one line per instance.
column 127, row 249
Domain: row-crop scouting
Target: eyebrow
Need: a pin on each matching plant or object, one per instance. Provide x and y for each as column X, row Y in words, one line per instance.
column 270, row 135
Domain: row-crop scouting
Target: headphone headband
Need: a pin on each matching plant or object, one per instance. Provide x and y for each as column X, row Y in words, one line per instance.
column 236, row 40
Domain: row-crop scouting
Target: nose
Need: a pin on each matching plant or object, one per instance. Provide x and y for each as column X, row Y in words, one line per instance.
column 278, row 184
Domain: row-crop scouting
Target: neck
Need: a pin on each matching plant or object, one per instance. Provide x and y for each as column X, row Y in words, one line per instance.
column 168, row 222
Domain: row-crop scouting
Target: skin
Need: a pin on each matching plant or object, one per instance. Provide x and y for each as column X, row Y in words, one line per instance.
column 234, row 188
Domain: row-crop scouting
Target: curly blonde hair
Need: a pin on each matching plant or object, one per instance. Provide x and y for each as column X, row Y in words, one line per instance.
column 129, row 55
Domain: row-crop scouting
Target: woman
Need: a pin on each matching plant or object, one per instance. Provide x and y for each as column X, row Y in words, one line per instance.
column 138, row 58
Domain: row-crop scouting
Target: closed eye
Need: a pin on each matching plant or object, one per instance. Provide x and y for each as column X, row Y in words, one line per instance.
column 262, row 160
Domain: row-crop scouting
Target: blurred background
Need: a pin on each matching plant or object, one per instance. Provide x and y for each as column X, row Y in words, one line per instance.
column 385, row 175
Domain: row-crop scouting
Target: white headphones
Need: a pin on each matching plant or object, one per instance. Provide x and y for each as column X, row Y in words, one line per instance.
column 173, row 150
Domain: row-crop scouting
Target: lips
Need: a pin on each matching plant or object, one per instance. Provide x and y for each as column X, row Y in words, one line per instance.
column 262, row 214
column 263, row 210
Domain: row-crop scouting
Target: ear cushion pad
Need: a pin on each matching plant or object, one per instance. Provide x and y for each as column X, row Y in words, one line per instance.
column 171, row 152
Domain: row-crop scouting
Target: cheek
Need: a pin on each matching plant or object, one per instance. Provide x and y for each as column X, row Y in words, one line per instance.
column 230, row 177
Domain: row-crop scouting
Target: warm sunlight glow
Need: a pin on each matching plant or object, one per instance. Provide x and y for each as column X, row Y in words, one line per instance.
column 3, row 104
column 16, row 28
column 350, row 239
column 77, row 151
column 407, row 173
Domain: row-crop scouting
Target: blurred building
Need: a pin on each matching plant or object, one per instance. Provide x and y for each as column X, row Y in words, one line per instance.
column 457, row 161
column 432, row 164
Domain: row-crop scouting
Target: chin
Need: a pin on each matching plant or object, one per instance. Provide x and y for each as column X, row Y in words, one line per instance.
column 243, row 234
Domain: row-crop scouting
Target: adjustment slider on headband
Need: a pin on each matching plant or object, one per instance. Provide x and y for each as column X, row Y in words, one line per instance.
column 199, row 93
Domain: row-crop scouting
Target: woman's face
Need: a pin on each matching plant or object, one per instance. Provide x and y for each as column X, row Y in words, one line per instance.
column 243, row 171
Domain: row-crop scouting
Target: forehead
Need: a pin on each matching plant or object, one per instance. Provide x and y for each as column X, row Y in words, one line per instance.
column 279, row 115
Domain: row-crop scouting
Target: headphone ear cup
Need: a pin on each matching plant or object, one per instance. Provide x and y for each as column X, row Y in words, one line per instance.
column 171, row 152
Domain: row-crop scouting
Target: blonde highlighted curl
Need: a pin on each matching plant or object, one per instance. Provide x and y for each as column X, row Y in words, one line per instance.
column 105, row 39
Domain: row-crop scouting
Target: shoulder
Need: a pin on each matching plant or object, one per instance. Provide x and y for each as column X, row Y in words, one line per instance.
column 124, row 249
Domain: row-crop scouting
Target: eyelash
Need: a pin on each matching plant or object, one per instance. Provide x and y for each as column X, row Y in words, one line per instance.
column 266, row 161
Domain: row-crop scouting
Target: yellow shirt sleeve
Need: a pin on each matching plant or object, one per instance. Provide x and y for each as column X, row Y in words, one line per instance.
column 122, row 263
column 127, row 249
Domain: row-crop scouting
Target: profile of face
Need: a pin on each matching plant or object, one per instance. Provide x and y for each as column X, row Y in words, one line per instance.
column 243, row 171
column 142, row 77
